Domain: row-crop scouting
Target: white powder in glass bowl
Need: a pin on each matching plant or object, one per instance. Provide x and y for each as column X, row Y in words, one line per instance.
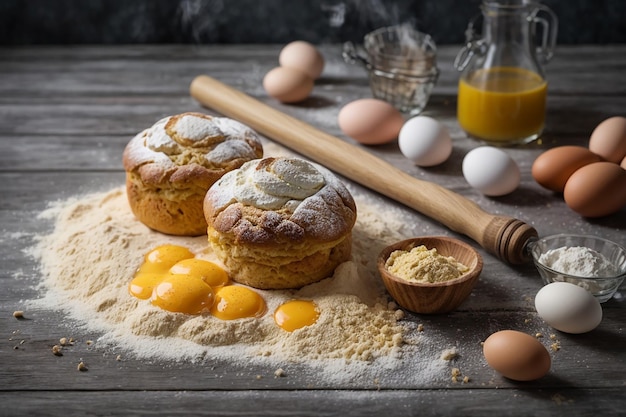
column 579, row 261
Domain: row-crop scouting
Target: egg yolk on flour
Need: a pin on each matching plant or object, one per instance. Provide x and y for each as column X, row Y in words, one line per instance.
column 236, row 302
column 296, row 314
column 156, row 264
column 174, row 280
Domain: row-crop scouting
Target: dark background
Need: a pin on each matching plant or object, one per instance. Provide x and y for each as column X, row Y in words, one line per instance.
column 24, row 22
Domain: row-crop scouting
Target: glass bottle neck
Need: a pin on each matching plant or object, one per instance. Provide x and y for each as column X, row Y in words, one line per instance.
column 506, row 24
column 507, row 34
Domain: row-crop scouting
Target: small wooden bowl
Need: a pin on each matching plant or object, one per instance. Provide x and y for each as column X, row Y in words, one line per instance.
column 433, row 298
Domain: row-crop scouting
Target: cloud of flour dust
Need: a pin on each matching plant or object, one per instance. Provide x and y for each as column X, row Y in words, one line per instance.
column 198, row 16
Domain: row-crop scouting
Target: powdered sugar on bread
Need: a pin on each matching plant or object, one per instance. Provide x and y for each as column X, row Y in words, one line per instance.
column 271, row 183
column 302, row 192
column 196, row 129
column 214, row 141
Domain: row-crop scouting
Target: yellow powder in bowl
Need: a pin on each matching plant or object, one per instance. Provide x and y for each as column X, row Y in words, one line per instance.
column 421, row 264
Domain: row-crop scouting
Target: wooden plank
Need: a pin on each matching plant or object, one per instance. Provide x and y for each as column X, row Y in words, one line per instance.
column 577, row 56
column 85, row 72
column 567, row 118
column 542, row 403
column 67, row 153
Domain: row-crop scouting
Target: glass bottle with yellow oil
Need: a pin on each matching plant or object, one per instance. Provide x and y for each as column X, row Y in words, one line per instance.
column 502, row 88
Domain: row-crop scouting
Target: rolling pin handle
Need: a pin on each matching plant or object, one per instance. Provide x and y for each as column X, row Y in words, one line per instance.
column 508, row 239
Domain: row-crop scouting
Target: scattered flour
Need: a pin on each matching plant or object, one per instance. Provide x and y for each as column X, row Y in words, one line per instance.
column 97, row 245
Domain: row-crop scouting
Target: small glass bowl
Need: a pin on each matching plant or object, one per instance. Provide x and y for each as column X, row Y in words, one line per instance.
column 603, row 288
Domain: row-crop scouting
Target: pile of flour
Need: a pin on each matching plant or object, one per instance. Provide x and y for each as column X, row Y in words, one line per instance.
column 97, row 245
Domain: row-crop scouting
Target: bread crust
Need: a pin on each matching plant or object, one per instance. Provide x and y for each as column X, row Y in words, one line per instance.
column 269, row 239
column 171, row 165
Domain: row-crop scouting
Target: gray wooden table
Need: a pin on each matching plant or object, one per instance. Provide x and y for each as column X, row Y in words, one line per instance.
column 66, row 114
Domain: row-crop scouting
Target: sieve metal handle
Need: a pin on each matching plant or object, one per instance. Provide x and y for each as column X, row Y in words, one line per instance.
column 352, row 56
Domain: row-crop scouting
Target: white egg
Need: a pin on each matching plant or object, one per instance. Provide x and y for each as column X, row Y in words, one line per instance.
column 491, row 171
column 568, row 307
column 425, row 141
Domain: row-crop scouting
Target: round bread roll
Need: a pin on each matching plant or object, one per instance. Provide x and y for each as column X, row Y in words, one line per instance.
column 171, row 165
column 279, row 223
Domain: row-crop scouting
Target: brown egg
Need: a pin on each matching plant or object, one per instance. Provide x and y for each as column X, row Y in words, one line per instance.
column 516, row 355
column 303, row 56
column 596, row 190
column 370, row 121
column 553, row 168
column 608, row 139
column 287, row 85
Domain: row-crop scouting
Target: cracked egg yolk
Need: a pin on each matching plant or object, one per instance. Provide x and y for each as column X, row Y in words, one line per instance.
column 296, row 314
column 156, row 263
column 236, row 302
column 174, row 280
column 210, row 273
column 180, row 293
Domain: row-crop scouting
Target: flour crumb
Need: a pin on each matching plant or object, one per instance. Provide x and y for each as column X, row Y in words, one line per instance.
column 457, row 376
column 56, row 350
column 560, row 399
column 279, row 373
column 449, row 354
column 19, row 314
column 556, row 344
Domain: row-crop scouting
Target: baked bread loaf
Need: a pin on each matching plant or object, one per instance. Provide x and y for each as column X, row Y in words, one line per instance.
column 171, row 165
column 278, row 223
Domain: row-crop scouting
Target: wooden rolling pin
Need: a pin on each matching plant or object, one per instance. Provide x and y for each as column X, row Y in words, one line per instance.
column 505, row 237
